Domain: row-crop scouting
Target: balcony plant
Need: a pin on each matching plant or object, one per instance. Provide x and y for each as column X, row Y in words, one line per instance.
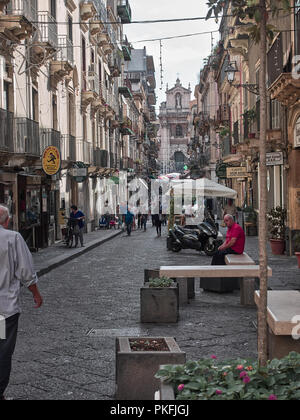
column 276, row 220
column 233, row 380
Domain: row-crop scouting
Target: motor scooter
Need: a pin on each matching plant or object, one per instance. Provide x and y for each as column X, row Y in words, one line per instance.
column 203, row 237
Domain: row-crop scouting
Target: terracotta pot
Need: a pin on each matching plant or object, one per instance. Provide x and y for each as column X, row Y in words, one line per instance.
column 278, row 246
column 298, row 257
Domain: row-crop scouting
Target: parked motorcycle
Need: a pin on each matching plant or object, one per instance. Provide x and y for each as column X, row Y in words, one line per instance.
column 203, row 237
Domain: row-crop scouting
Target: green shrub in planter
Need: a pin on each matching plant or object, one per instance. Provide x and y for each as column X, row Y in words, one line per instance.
column 234, row 379
column 160, row 282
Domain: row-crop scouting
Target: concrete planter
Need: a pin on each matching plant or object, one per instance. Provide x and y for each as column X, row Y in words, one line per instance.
column 159, row 304
column 135, row 370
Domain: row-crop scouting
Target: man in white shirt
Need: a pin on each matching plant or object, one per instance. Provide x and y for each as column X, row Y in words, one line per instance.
column 16, row 270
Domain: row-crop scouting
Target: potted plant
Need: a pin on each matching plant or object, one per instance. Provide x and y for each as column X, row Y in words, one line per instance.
column 160, row 301
column 232, row 380
column 296, row 246
column 137, row 361
column 276, row 218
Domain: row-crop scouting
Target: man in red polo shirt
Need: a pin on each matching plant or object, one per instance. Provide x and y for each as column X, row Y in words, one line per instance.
column 234, row 244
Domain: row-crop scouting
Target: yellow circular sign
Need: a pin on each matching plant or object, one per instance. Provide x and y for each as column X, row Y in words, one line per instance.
column 51, row 160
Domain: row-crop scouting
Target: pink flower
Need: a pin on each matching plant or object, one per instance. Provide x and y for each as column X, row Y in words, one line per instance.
column 213, row 357
column 272, row 397
column 219, row 392
column 180, row 387
column 246, row 379
column 240, row 367
column 243, row 374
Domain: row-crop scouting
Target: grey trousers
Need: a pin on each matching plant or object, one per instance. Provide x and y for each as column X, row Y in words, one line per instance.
column 80, row 236
column 7, row 348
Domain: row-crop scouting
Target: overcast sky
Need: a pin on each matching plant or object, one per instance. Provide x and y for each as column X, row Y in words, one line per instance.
column 182, row 56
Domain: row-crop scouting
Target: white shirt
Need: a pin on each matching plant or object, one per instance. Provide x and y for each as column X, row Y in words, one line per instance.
column 16, row 269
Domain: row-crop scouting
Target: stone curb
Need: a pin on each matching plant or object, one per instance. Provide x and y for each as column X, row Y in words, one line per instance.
column 57, row 261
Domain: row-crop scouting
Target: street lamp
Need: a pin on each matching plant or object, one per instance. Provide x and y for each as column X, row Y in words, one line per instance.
column 230, row 70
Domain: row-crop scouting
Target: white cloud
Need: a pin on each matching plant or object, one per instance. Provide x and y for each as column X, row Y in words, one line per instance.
column 181, row 55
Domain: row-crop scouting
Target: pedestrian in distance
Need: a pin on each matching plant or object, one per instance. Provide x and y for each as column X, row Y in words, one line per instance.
column 78, row 230
column 16, row 270
column 129, row 218
column 157, row 222
column 144, row 218
column 234, row 243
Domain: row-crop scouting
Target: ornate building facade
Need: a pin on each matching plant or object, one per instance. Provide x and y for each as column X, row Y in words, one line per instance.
column 174, row 130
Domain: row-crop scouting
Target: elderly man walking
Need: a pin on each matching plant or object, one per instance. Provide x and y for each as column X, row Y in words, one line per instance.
column 234, row 244
column 16, row 269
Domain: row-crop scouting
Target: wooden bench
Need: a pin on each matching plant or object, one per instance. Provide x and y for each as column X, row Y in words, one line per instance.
column 283, row 306
column 247, row 285
column 182, row 273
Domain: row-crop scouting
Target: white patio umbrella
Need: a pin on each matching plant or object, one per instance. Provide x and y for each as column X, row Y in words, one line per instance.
column 201, row 187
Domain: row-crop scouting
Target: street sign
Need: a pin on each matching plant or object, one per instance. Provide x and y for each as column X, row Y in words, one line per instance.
column 51, row 160
column 275, row 158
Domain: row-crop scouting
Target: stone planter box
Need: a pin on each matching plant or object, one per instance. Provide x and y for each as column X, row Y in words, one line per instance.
column 159, row 305
column 135, row 370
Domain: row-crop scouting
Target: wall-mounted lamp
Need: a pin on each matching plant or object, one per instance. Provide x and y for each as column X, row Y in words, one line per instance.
column 230, row 70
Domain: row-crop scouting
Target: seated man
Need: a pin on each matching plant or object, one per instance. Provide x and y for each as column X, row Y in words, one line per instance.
column 234, row 244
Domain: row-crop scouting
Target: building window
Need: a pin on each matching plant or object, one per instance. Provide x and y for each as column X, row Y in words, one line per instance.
column 179, row 132
column 275, row 115
column 53, row 8
column 70, row 28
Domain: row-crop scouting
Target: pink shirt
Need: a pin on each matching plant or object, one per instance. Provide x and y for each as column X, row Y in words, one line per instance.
column 235, row 231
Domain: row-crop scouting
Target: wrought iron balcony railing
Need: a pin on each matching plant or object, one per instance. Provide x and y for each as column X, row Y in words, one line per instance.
column 48, row 29
column 27, row 139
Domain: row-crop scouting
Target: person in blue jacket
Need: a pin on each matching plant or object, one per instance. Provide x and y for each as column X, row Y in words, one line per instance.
column 129, row 221
column 78, row 216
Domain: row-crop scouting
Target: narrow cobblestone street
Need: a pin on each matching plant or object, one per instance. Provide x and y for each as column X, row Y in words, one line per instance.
column 66, row 350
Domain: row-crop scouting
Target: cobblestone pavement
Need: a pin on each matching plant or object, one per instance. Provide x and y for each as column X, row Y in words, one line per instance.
column 66, row 350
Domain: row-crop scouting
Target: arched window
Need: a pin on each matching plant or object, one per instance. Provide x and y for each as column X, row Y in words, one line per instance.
column 178, row 101
column 179, row 132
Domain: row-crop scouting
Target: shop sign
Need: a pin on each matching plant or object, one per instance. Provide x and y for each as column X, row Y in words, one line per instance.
column 79, row 172
column 51, row 160
column 237, row 172
column 274, row 159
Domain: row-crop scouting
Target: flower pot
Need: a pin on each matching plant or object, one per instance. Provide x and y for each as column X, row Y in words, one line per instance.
column 159, row 304
column 277, row 246
column 135, row 370
column 298, row 257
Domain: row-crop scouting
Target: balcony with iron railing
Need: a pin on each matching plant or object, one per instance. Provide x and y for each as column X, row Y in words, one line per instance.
column 27, row 139
column 87, row 9
column 49, row 137
column 90, row 87
column 124, row 11
column 66, row 50
column 24, row 16
column 48, row 29
column 6, row 131
column 115, row 63
column 125, row 90
column 68, row 148
column 126, row 49
column 98, row 21
column 23, row 8
column 63, row 63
